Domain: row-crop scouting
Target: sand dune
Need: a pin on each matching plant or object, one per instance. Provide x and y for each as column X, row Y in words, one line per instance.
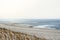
column 11, row 35
column 40, row 33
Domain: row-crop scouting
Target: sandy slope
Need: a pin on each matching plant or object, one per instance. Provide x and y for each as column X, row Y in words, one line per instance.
column 12, row 35
column 45, row 33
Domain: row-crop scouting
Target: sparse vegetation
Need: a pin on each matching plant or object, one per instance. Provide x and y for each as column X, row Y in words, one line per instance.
column 11, row 35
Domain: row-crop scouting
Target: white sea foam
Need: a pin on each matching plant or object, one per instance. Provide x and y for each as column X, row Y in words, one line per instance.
column 45, row 26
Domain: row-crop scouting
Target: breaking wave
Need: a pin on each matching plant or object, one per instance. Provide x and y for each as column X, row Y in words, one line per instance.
column 45, row 26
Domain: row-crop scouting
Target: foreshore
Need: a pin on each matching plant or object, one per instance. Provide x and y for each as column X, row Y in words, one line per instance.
column 40, row 33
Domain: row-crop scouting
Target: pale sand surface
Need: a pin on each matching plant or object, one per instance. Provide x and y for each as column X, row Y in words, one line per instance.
column 45, row 33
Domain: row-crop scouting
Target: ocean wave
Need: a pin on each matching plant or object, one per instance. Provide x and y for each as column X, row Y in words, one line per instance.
column 45, row 26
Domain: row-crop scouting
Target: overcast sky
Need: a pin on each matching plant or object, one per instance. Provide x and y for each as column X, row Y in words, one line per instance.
column 29, row 9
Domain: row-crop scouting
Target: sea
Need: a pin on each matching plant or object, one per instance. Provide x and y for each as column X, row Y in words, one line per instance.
column 38, row 23
column 43, row 23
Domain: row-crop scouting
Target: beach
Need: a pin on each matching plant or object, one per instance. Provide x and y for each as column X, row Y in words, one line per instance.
column 49, row 34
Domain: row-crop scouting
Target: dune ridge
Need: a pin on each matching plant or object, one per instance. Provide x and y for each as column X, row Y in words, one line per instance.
column 11, row 35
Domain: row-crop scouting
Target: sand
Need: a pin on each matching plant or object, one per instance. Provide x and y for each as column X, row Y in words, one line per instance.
column 40, row 33
column 12, row 35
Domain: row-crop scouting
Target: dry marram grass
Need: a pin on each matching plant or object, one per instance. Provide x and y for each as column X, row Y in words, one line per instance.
column 11, row 35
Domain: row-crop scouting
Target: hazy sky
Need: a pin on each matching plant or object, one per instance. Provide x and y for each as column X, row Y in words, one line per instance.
column 29, row 8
